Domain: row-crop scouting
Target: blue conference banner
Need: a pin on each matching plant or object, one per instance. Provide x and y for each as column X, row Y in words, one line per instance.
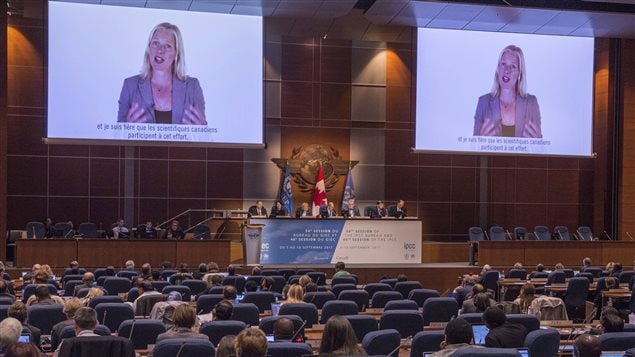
column 326, row 241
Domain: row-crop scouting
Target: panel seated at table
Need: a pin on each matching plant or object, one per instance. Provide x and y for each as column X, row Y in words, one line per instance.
column 569, row 253
column 54, row 252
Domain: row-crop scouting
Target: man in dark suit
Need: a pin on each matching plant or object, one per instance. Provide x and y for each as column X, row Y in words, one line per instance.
column 258, row 209
column 399, row 210
column 350, row 210
column 502, row 334
column 379, row 211
column 328, row 210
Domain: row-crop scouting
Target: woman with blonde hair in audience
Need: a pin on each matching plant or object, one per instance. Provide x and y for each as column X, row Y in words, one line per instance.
column 526, row 297
column 339, row 338
column 251, row 342
column 92, row 293
column 295, row 294
column 609, row 266
column 304, row 280
column 226, row 346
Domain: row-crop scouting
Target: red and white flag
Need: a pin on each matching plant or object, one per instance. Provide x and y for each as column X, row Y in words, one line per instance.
column 319, row 195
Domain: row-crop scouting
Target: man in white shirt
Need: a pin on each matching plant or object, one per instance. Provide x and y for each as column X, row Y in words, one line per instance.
column 85, row 321
column 120, row 230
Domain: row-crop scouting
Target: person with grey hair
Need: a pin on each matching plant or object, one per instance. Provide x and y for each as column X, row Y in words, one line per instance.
column 10, row 330
column 129, row 265
column 85, row 321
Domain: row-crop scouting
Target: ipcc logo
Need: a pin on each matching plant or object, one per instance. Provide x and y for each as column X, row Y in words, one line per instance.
column 409, row 246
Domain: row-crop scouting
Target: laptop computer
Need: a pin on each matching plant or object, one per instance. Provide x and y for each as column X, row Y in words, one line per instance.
column 25, row 338
column 479, row 331
column 612, row 354
column 523, row 352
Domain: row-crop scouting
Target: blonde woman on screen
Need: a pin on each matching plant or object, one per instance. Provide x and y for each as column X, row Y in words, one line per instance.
column 508, row 110
column 162, row 93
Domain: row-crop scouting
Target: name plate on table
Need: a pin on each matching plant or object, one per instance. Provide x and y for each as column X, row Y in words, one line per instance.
column 438, row 325
column 327, row 241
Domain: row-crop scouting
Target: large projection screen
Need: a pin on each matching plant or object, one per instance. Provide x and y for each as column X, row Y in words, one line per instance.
column 216, row 100
column 457, row 110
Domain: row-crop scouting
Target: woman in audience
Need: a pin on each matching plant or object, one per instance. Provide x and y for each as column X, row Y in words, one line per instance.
column 21, row 349
column 200, row 273
column 92, row 293
column 339, row 338
column 295, row 294
column 609, row 266
column 609, row 283
column 481, row 302
column 518, row 265
column 540, row 268
column 304, row 280
column 559, row 266
column 251, row 342
column 617, row 270
column 212, row 267
column 226, row 346
column 184, row 318
column 266, row 284
column 525, row 298
column 70, row 307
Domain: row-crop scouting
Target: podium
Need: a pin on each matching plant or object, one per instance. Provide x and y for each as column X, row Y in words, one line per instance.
column 252, row 243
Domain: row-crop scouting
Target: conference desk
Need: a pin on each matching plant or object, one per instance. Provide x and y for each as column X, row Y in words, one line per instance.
column 569, row 253
column 94, row 253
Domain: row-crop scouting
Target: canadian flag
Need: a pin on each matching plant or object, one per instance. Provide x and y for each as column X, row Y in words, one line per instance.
column 319, row 195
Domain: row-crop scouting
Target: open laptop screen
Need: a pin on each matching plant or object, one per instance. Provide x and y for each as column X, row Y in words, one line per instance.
column 479, row 332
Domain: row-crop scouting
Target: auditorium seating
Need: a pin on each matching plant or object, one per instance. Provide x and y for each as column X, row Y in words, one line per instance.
column 247, row 313
column 380, row 298
column 407, row 322
column 401, row 305
column 337, row 289
column 372, row 288
column 405, row 287
column 360, row 297
column 319, row 298
column 186, row 293
column 307, row 312
column 262, row 299
column 113, row 314
column 289, row 349
column 141, row 332
column 426, row 341
column 362, row 325
column 338, row 307
column 267, row 322
column 382, row 342
column 103, row 299
column 543, row 342
column 206, row 303
column 183, row 347
column 520, row 233
column 421, row 295
column 343, row 279
column 87, row 230
column 485, row 352
column 216, row 330
column 45, row 317
column 116, row 285
column 617, row 341
column 497, row 233
column 575, row 298
column 542, row 233
column 439, row 309
column 562, row 232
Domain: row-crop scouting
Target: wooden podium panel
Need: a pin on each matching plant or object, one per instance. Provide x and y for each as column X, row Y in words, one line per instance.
column 96, row 253
column 194, row 252
column 569, row 253
column 104, row 252
column 54, row 252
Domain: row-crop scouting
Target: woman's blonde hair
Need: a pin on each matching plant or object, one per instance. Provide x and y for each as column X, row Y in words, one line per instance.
column 295, row 294
column 93, row 293
column 178, row 68
column 521, row 83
